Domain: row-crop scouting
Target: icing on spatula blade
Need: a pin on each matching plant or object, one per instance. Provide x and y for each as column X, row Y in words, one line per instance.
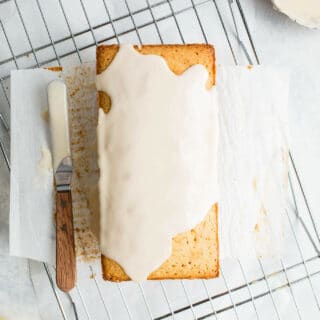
column 62, row 164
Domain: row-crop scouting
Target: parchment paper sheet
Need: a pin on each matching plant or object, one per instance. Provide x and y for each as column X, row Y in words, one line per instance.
column 252, row 161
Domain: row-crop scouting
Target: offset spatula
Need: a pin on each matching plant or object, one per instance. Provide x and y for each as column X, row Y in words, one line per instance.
column 62, row 166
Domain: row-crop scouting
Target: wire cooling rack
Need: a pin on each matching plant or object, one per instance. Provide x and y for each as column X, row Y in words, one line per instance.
column 36, row 33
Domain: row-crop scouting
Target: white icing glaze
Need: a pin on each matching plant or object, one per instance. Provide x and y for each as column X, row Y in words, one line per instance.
column 305, row 12
column 58, row 112
column 157, row 156
column 45, row 163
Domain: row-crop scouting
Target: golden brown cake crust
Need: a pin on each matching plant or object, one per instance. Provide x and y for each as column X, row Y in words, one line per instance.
column 55, row 69
column 195, row 253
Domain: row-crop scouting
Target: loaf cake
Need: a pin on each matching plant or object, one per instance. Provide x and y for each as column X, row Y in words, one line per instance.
column 195, row 253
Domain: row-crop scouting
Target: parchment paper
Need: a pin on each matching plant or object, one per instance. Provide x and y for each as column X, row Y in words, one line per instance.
column 32, row 228
column 252, row 161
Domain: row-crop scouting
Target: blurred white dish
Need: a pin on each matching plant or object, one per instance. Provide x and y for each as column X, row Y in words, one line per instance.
column 304, row 12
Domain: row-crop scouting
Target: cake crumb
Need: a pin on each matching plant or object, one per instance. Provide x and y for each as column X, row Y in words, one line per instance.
column 263, row 211
column 74, row 92
column 254, row 184
column 45, row 115
column 249, row 66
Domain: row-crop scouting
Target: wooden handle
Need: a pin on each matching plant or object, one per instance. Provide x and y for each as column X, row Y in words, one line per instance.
column 65, row 250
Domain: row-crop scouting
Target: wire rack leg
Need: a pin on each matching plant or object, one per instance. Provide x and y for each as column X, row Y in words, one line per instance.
column 145, row 300
column 296, row 210
column 124, row 301
column 111, row 20
column 9, row 45
column 244, row 20
column 188, row 299
column 26, row 32
column 249, row 290
column 244, row 48
column 303, row 260
column 230, row 295
column 5, row 93
column 51, row 281
column 225, row 31
column 167, row 299
column 176, row 21
column 268, row 286
column 100, row 293
column 199, row 21
column 133, row 22
column 4, row 122
column 48, row 32
column 210, row 299
column 70, row 31
column 155, row 21
column 88, row 21
column 290, row 288
column 304, row 196
column 83, row 303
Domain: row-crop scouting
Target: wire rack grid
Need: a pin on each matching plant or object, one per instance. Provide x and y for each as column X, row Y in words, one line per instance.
column 40, row 33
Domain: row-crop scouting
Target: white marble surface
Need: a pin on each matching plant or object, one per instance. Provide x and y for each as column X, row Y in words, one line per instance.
column 279, row 41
